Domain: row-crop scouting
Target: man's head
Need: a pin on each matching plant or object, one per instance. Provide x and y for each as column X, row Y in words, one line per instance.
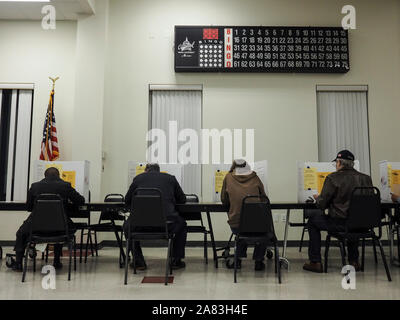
column 152, row 167
column 344, row 160
column 52, row 173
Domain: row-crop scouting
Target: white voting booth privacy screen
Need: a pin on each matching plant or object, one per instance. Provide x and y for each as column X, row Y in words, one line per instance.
column 220, row 171
column 390, row 179
column 311, row 177
column 135, row 168
column 74, row 172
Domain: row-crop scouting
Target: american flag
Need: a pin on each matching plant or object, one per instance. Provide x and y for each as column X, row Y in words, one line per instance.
column 49, row 148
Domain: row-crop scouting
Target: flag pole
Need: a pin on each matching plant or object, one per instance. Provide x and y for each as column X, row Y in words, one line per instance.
column 51, row 112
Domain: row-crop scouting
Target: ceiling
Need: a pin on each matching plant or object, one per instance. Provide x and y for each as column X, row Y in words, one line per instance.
column 65, row 9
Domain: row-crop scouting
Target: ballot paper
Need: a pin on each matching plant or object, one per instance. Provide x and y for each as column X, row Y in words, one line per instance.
column 220, row 171
column 389, row 179
column 135, row 168
column 311, row 177
column 74, row 172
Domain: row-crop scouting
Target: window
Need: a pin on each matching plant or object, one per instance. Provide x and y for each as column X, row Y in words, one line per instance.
column 182, row 104
column 343, row 123
column 15, row 141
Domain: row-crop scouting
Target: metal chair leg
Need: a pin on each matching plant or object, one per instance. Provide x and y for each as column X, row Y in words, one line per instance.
column 363, row 255
column 25, row 263
column 342, row 252
column 235, row 263
column 81, row 247
column 74, row 253
column 96, row 244
column 302, row 239
column 34, row 259
column 168, row 262
column 278, row 262
column 133, row 257
column 327, row 245
column 70, row 259
column 384, row 260
column 87, row 245
column 126, row 262
column 91, row 243
column 205, row 248
column 375, row 255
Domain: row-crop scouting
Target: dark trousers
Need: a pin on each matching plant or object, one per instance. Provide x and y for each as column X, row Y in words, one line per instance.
column 178, row 227
column 260, row 248
column 22, row 238
column 316, row 224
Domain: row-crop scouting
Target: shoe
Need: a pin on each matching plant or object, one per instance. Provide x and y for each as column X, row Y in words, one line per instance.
column 356, row 265
column 178, row 264
column 313, row 267
column 57, row 265
column 231, row 264
column 259, row 265
column 140, row 264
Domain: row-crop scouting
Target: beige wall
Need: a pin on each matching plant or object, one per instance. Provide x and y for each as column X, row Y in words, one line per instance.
column 280, row 107
column 102, row 96
column 29, row 54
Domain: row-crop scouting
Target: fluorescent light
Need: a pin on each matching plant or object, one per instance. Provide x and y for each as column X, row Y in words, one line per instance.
column 24, row 0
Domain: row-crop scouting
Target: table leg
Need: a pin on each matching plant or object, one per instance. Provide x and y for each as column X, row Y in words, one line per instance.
column 283, row 260
column 212, row 239
column 286, row 233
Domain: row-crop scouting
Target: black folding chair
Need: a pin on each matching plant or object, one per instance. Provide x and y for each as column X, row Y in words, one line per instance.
column 199, row 228
column 364, row 215
column 49, row 225
column 148, row 222
column 107, row 223
column 78, row 226
column 256, row 225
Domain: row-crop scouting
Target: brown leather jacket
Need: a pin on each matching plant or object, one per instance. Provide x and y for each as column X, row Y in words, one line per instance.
column 336, row 191
column 234, row 189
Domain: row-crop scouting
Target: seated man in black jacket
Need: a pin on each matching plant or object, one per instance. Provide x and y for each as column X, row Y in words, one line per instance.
column 335, row 196
column 52, row 183
column 172, row 194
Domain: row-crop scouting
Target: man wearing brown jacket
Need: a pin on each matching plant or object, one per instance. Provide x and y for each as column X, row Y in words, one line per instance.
column 335, row 196
column 239, row 183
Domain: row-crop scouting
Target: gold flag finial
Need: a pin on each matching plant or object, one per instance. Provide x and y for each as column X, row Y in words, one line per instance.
column 54, row 81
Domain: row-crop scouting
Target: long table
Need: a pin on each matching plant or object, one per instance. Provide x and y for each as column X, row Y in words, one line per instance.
column 208, row 207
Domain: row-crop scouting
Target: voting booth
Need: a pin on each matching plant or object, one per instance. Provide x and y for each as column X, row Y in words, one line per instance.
column 135, row 168
column 220, row 171
column 312, row 175
column 74, row 172
column 390, row 179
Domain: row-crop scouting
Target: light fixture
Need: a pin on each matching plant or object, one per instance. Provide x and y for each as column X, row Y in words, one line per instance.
column 24, row 0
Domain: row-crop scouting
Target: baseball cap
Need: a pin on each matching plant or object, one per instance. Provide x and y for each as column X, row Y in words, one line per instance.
column 344, row 154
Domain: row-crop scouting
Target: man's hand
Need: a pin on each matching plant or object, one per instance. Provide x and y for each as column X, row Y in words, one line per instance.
column 315, row 196
column 395, row 197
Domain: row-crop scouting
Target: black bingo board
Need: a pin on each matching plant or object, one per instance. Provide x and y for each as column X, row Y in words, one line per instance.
column 261, row 49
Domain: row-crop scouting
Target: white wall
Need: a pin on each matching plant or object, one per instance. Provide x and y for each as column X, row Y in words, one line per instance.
column 280, row 107
column 29, row 54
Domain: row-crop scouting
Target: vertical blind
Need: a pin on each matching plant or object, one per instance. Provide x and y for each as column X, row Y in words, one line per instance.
column 184, row 107
column 15, row 139
column 343, row 124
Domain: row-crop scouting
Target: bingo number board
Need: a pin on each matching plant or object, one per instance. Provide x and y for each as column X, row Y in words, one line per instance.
column 261, row 49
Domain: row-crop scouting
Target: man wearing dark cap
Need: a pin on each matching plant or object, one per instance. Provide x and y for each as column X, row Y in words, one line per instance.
column 335, row 196
column 53, row 184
